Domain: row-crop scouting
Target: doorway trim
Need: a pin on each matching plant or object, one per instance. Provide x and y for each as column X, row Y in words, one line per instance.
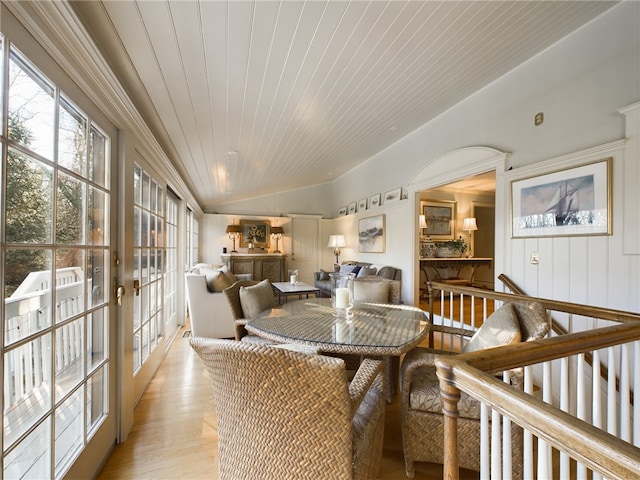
column 451, row 167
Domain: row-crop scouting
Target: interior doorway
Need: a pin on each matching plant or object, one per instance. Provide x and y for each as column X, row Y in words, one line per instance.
column 473, row 196
column 462, row 171
column 485, row 243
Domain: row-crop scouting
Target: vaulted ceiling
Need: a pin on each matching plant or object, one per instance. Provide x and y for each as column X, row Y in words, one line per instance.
column 256, row 97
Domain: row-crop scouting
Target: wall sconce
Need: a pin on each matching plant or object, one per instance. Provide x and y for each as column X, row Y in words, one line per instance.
column 234, row 232
column 469, row 225
column 337, row 242
column 277, row 232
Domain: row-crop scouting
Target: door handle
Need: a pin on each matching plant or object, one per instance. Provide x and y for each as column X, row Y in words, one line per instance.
column 120, row 291
column 136, row 287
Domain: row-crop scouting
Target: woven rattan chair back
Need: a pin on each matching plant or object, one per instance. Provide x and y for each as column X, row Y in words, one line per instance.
column 281, row 414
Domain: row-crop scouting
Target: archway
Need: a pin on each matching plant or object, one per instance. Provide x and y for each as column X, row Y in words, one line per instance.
column 452, row 167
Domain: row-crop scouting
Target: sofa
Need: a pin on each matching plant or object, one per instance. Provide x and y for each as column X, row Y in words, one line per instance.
column 363, row 270
column 209, row 310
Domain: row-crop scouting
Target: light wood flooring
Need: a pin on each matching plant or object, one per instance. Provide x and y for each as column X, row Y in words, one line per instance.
column 174, row 433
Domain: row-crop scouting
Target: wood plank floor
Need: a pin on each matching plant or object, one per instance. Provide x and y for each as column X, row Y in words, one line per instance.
column 174, row 433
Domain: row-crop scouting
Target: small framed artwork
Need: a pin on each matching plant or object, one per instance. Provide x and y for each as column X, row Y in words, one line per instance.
column 362, row 204
column 342, row 212
column 352, row 208
column 575, row 201
column 374, row 201
column 371, row 234
column 256, row 231
column 393, row 195
column 440, row 217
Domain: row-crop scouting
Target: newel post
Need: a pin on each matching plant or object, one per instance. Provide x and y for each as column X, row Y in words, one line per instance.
column 450, row 395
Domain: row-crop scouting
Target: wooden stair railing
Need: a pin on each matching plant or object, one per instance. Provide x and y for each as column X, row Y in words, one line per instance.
column 560, row 330
column 473, row 373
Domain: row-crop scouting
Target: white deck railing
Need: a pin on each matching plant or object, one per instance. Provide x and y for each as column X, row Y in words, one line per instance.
column 579, row 421
column 28, row 311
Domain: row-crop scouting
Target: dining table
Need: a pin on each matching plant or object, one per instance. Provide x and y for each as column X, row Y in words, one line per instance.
column 372, row 329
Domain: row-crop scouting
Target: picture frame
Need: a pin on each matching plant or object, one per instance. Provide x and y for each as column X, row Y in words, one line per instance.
column 441, row 219
column 569, row 202
column 393, row 195
column 371, row 234
column 374, row 201
column 352, row 207
column 362, row 204
column 259, row 230
column 342, row 212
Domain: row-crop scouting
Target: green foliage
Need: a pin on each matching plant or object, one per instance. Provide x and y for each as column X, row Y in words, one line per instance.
column 28, row 212
column 458, row 245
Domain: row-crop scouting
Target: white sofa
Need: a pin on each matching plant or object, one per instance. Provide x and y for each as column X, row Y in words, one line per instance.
column 209, row 311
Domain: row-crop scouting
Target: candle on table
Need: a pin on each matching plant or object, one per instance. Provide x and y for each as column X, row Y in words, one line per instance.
column 342, row 297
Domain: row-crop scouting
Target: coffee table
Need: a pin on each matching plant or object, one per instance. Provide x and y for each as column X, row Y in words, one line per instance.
column 286, row 289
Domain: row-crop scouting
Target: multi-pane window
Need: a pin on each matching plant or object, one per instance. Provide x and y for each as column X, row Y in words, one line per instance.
column 171, row 268
column 55, row 255
column 148, row 267
column 193, row 239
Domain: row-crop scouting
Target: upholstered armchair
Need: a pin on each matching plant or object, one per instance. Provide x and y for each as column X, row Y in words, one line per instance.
column 421, row 407
column 285, row 414
column 257, row 298
column 372, row 288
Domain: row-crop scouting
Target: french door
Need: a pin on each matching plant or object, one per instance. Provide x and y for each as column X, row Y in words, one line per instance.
column 58, row 336
column 154, row 274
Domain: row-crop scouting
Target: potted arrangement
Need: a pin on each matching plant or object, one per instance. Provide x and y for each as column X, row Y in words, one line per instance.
column 451, row 249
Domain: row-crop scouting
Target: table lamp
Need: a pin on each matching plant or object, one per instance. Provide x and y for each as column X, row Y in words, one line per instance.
column 422, row 223
column 234, row 232
column 277, row 232
column 337, row 242
column 469, row 225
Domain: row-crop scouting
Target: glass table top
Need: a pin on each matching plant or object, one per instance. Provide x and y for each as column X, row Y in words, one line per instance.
column 373, row 329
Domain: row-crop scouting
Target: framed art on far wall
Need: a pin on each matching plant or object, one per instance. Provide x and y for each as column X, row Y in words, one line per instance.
column 393, row 195
column 374, row 201
column 575, row 201
column 352, row 208
column 371, row 234
column 257, row 231
column 362, row 204
column 440, row 217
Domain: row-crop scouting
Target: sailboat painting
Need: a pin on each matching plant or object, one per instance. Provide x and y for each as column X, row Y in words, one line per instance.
column 570, row 202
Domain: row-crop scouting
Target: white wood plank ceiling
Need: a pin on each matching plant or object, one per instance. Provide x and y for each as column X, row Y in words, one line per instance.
column 256, row 97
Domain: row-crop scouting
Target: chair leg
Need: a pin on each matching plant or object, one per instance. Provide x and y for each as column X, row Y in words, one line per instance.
column 410, row 471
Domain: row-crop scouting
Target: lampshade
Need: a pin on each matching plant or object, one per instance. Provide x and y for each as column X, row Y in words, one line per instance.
column 233, row 229
column 469, row 224
column 277, row 230
column 423, row 221
column 337, row 241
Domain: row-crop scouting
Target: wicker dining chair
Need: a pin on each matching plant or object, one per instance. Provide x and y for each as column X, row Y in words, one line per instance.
column 420, row 403
column 285, row 414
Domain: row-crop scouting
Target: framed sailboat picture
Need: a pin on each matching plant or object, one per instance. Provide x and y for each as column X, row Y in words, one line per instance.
column 576, row 201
